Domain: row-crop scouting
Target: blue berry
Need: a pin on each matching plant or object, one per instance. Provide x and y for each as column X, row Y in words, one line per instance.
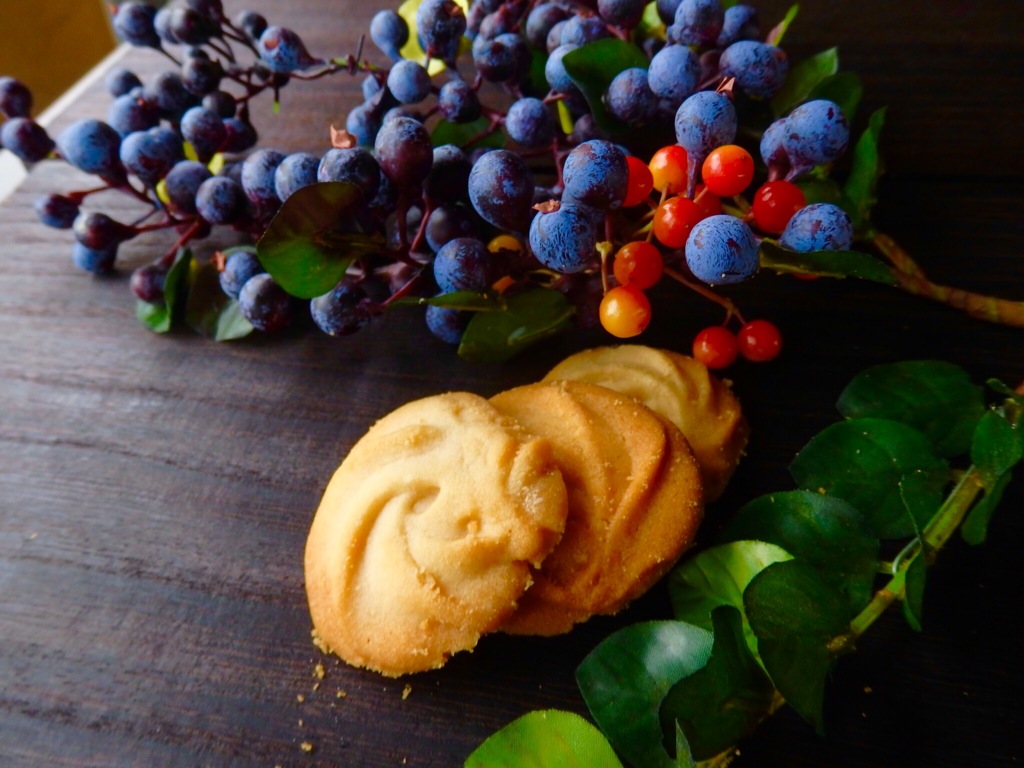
column 265, row 304
column 441, row 24
column 363, row 123
column 354, row 165
column 220, row 200
column 698, row 22
column 201, row 76
column 147, row 283
column 458, row 102
column 239, row 268
column 554, row 38
column 464, row 264
column 449, row 175
column 705, row 121
column 447, row 324
column 295, row 172
column 162, row 25
column 505, row 58
column 191, row 27
column 667, row 10
column 404, row 151
column 595, row 174
column 721, row 249
column 773, row 151
column 759, row 68
column 168, row 92
column 151, row 154
column 629, row 97
column 540, row 21
column 96, row 261
column 182, row 183
column 15, row 98
column 220, row 103
column 252, row 23
column 674, row 74
column 501, row 189
column 580, row 30
column 816, row 133
column 530, row 123
column 92, row 146
column 739, row 23
column 447, row 223
column 621, row 13
column 239, row 135
column 258, row 171
column 26, row 138
column 133, row 23
column 564, row 240
column 99, row 232
column 120, row 81
column 818, row 227
column 283, row 51
column 557, row 75
column 204, row 130
column 130, row 113
column 390, row 33
column 342, row 311
column 409, row 82
column 56, row 211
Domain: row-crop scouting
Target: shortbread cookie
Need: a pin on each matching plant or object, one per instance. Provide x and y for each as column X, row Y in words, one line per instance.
column 635, row 501
column 427, row 532
column 679, row 388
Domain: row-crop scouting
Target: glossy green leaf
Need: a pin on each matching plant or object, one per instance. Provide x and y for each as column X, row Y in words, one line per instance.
column 935, row 397
column 825, row 190
column 493, row 337
column 545, row 739
column 803, row 79
column 863, row 462
column 995, row 447
column 913, row 600
column 795, row 614
column 824, row 531
column 826, row 263
column 862, row 182
column 975, row 527
column 723, row 702
column 684, row 755
column 159, row 317
column 465, row 134
column 624, row 679
column 779, row 31
column 844, row 88
column 469, row 301
column 717, row 576
column 592, row 68
column 209, row 310
column 313, row 239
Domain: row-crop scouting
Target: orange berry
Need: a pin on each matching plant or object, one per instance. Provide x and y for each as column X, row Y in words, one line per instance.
column 638, row 264
column 625, row 311
column 669, row 169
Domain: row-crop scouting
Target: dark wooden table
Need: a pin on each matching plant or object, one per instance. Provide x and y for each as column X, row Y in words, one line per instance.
column 155, row 492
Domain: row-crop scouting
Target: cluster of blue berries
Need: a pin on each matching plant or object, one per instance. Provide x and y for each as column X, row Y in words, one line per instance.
column 536, row 184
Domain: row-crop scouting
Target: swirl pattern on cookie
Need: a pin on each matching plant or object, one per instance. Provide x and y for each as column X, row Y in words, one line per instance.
column 635, row 501
column 426, row 534
column 679, row 388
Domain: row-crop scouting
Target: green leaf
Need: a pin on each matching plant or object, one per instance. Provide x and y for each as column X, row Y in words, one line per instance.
column 723, row 702
column 844, row 88
column 462, row 300
column 684, row 755
column 494, row 337
column 311, row 241
column 460, row 134
column 159, row 317
column 826, row 263
column 975, row 528
column 913, row 600
column 935, row 397
column 824, row 531
column 592, row 68
column 545, row 739
column 209, row 310
column 779, row 31
column 651, row 24
column 624, row 679
column 863, row 461
column 822, row 191
column 717, row 576
column 803, row 79
column 795, row 614
column 862, row 182
column 995, row 447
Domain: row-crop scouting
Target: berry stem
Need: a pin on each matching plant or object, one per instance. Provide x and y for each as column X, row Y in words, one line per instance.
column 911, row 278
column 731, row 309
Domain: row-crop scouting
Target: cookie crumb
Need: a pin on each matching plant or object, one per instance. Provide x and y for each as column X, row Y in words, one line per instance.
column 306, row 746
column 319, row 671
column 299, row 698
column 341, row 694
column 406, row 691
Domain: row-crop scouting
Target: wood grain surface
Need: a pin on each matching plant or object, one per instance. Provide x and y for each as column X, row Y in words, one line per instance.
column 155, row 491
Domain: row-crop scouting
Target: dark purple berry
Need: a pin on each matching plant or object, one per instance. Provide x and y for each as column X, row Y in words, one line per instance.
column 447, row 324
column 390, row 33
column 258, row 176
column 501, row 190
column 265, row 304
column 458, row 102
column 282, row 50
column 92, row 146
column 133, row 22
column 98, row 262
column 595, row 174
column 56, row 211
column 15, row 98
column 342, row 311
column 147, row 283
column 441, row 24
column 26, row 138
column 295, row 172
column 239, row 268
column 182, row 183
column 220, row 200
column 404, row 152
column 354, row 165
column 204, row 130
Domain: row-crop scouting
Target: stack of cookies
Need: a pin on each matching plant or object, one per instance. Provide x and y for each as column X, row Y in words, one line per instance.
column 455, row 516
